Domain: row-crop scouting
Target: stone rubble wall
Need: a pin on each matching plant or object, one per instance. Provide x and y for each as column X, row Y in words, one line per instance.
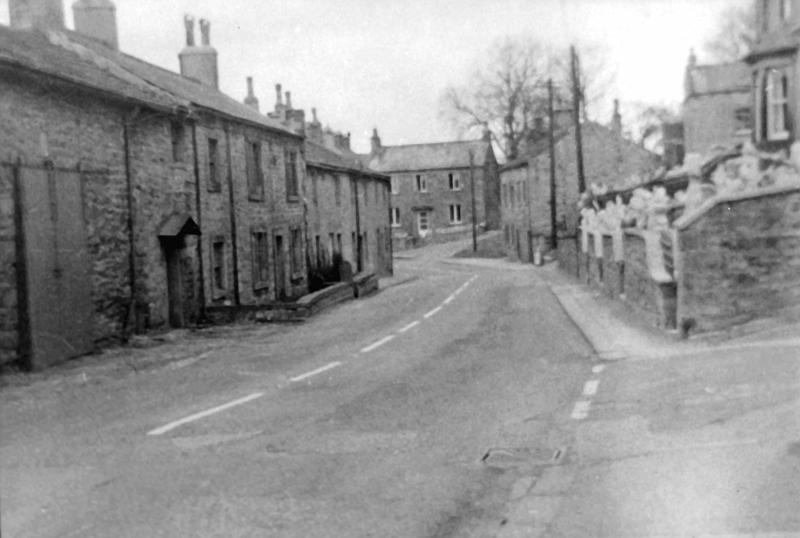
column 739, row 260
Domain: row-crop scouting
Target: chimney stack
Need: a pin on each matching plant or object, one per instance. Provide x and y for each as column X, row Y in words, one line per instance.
column 40, row 14
column 616, row 120
column 251, row 100
column 199, row 62
column 375, row 142
column 97, row 19
column 288, row 100
column 314, row 129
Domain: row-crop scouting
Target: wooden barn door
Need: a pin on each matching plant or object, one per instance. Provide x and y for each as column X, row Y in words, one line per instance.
column 55, row 266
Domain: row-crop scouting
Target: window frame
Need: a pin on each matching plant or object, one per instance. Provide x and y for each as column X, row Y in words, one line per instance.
column 212, row 165
column 421, row 183
column 455, row 214
column 395, row 217
column 219, row 273
column 260, row 247
column 253, row 170
column 776, row 105
column 295, row 251
column 291, row 175
column 454, row 181
column 394, row 185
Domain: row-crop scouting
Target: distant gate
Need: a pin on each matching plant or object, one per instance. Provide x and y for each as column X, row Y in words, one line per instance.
column 55, row 303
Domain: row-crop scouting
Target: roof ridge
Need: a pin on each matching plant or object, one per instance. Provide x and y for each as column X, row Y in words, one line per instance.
column 433, row 143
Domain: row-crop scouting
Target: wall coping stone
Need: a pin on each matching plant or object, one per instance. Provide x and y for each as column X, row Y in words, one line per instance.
column 654, row 254
column 691, row 217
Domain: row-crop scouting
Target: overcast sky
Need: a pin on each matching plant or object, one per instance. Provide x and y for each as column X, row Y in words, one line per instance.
column 385, row 63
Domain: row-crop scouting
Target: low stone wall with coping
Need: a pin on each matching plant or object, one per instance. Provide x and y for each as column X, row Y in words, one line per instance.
column 738, row 259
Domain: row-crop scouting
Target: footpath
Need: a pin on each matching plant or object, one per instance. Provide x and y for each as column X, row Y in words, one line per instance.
column 671, row 437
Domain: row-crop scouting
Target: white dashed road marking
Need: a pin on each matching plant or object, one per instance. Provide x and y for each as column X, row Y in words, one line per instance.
column 581, row 410
column 203, row 414
column 312, row 373
column 378, row 344
column 433, row 312
column 408, row 327
column 590, row 388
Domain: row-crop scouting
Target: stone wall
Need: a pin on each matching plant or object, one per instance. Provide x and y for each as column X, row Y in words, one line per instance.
column 8, row 277
column 739, row 260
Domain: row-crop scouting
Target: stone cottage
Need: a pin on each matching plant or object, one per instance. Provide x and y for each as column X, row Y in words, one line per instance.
column 347, row 205
column 774, row 63
column 717, row 109
column 527, row 213
column 133, row 197
column 432, row 191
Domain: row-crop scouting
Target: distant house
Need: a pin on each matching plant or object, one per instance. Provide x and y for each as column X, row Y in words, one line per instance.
column 609, row 159
column 717, row 108
column 775, row 67
column 432, row 190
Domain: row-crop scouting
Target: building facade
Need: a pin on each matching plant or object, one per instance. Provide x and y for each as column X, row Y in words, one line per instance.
column 609, row 159
column 133, row 197
column 717, row 108
column 774, row 63
column 434, row 189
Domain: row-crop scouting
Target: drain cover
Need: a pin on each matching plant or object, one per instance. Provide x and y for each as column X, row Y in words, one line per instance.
column 505, row 458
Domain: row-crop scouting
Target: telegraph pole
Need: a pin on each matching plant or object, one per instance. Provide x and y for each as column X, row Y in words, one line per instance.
column 472, row 189
column 552, row 143
column 576, row 116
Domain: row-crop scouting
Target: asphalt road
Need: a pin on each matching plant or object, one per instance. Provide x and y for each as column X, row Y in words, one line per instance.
column 371, row 419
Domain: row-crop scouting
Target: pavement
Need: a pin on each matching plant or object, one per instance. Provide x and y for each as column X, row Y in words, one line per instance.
column 469, row 398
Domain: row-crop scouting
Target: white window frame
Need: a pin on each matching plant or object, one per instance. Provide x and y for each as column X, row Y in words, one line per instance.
column 454, row 181
column 395, row 185
column 786, row 9
column 423, row 217
column 776, row 81
column 455, row 214
column 421, row 183
column 395, row 217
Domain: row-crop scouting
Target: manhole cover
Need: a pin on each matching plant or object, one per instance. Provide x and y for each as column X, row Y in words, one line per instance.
column 505, row 458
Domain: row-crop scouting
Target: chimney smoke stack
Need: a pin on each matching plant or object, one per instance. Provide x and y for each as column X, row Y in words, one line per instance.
column 97, row 19
column 251, row 100
column 40, row 14
column 199, row 62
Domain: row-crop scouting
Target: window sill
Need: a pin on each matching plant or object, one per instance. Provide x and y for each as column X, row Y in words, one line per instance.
column 778, row 137
column 261, row 286
column 293, row 198
column 296, row 278
column 217, row 294
column 217, row 189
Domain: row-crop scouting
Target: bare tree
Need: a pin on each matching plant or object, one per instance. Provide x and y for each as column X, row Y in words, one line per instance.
column 596, row 78
column 509, row 92
column 506, row 95
column 647, row 124
column 735, row 35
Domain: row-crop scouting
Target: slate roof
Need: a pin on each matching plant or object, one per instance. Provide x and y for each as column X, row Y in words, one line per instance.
column 54, row 55
column 195, row 92
column 81, row 60
column 434, row 156
column 720, row 78
column 324, row 157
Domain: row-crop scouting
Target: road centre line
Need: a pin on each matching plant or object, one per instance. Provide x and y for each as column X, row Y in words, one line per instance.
column 378, row 344
column 408, row 327
column 449, row 299
column 433, row 312
column 590, row 388
column 312, row 373
column 581, row 410
column 197, row 416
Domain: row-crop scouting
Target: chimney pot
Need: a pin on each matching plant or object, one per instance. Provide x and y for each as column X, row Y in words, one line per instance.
column 205, row 31
column 314, row 115
column 251, row 100
column 188, row 22
column 278, row 95
column 289, row 100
